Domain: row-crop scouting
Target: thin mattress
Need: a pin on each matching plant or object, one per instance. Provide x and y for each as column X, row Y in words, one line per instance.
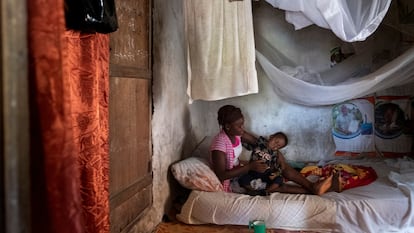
column 382, row 206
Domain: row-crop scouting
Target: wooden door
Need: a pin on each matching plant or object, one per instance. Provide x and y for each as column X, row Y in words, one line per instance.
column 130, row 115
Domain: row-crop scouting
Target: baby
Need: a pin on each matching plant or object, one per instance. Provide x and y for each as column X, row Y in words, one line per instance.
column 272, row 180
column 267, row 150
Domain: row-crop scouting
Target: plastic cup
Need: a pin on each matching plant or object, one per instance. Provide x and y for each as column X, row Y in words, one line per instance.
column 258, row 226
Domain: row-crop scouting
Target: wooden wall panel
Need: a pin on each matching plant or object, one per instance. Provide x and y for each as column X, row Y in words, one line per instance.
column 129, row 132
column 130, row 115
column 129, row 211
column 130, row 45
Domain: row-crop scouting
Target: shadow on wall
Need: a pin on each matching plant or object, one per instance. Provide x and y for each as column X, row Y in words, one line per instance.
column 178, row 195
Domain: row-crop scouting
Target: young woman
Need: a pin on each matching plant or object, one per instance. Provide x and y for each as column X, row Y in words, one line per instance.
column 226, row 147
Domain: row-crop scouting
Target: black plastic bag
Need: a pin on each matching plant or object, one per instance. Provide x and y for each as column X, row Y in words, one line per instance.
column 91, row 15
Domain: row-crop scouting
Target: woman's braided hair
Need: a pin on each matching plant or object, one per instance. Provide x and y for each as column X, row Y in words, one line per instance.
column 228, row 114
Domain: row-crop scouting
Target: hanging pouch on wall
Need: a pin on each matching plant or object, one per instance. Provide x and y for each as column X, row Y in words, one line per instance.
column 91, row 15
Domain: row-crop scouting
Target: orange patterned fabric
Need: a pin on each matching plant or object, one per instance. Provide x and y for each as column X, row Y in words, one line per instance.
column 351, row 175
column 68, row 81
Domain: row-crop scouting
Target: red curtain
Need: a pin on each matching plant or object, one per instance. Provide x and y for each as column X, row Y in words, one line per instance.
column 69, row 123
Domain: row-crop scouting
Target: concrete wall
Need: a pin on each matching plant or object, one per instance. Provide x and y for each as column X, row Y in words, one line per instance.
column 178, row 126
column 170, row 120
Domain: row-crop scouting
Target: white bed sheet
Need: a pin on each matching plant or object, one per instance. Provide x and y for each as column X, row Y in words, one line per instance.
column 382, row 206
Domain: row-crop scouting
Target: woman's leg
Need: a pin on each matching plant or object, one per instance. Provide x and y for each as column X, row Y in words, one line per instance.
column 287, row 188
column 290, row 173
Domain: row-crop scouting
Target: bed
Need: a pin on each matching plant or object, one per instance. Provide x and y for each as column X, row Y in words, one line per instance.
column 384, row 205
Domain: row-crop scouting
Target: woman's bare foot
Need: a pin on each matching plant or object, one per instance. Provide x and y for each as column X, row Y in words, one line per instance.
column 322, row 186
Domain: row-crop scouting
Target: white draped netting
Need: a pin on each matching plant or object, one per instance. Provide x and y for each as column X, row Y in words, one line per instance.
column 293, row 42
column 298, row 61
column 348, row 20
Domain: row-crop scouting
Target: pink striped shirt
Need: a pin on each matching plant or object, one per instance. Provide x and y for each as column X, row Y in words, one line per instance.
column 222, row 142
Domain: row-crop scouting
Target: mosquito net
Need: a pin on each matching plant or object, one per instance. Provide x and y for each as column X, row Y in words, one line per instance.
column 322, row 52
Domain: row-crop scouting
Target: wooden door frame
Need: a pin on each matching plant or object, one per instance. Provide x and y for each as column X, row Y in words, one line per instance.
column 14, row 124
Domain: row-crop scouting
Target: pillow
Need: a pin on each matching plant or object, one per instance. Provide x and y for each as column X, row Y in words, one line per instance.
column 194, row 173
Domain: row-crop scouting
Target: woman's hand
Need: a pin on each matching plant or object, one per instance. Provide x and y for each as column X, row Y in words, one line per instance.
column 258, row 166
column 244, row 162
